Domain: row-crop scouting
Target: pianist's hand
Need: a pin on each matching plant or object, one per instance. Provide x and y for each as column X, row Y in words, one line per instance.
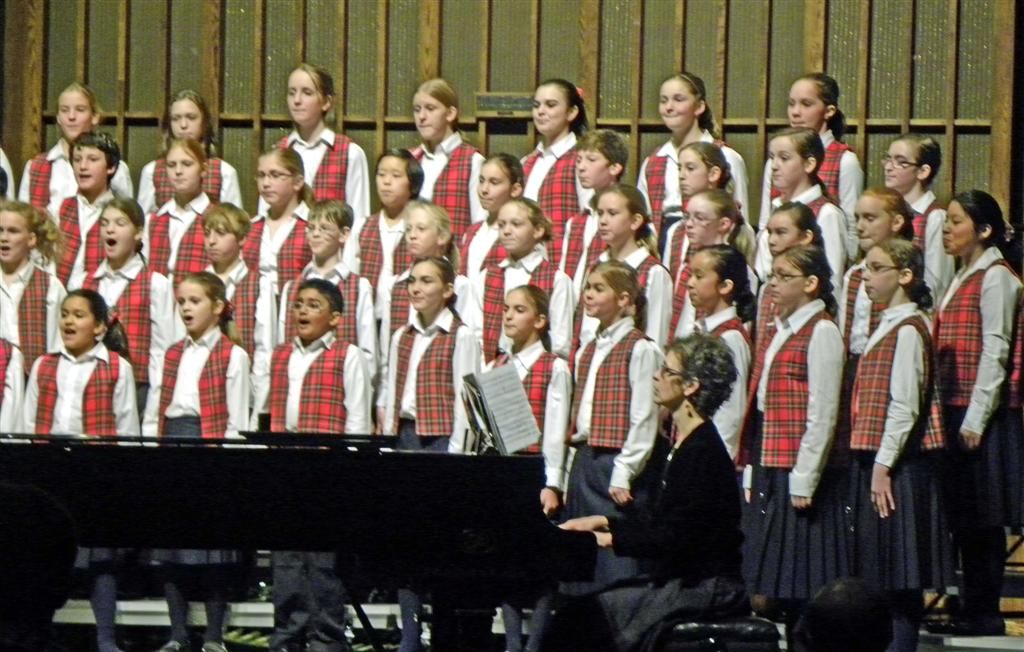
column 604, row 539
column 550, row 501
column 586, row 524
column 620, row 496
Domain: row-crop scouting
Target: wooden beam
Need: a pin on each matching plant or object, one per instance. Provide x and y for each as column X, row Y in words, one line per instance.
column 211, row 55
column 1002, row 105
column 680, row 44
column 382, row 77
column 721, row 55
column 24, row 84
column 123, row 27
column 82, row 43
column 863, row 77
column 636, row 48
column 952, row 70
column 814, row 35
column 485, row 72
column 340, row 60
column 430, row 39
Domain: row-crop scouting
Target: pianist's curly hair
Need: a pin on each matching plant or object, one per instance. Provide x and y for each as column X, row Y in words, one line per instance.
column 707, row 360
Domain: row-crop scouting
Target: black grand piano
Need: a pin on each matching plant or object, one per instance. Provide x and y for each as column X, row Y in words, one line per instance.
column 467, row 527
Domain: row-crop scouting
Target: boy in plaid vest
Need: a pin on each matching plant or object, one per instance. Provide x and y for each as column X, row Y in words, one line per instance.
column 601, row 158
column 305, row 397
column 327, row 230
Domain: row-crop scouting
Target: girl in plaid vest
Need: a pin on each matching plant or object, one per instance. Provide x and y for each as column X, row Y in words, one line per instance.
column 277, row 244
column 973, row 338
column 712, row 219
column 174, row 239
column 796, row 542
column 451, row 167
column 682, row 104
column 548, row 384
column 95, row 158
column 328, row 229
column 188, row 117
column 428, row 235
column 719, row 289
column 30, row 297
column 501, row 179
column 560, row 117
column 524, row 232
column 334, row 166
column 204, row 393
column 901, row 545
column 614, row 417
column 794, row 157
column 625, row 228
column 87, row 388
column 250, row 295
column 911, row 164
column 814, row 105
column 49, row 177
column 378, row 249
column 142, row 300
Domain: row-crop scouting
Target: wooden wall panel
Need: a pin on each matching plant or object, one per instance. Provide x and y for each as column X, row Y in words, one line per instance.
column 282, row 50
column 362, row 68
column 513, row 55
column 661, row 35
column 930, row 83
column 147, row 33
column 701, row 24
column 460, row 57
column 891, row 45
column 560, row 32
column 748, row 31
column 616, row 100
column 403, row 56
column 62, row 32
column 186, row 42
column 784, row 63
column 102, row 52
column 975, row 65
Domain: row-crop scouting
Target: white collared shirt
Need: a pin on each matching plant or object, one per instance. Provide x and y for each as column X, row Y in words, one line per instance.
column 557, row 409
column 729, row 417
column 10, row 299
column 434, row 163
column 63, row 183
column 356, row 380
column 824, row 380
column 939, row 266
column 481, row 244
column 659, row 299
column 643, row 412
column 73, row 374
column 271, row 243
column 230, row 190
column 579, row 275
column 1000, row 292
column 88, row 216
column 14, row 393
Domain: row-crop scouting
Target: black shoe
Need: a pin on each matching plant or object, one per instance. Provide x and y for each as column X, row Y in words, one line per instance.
column 980, row 626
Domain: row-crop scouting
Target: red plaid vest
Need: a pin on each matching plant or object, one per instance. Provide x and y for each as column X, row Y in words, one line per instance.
column 536, row 386
column 330, row 178
column 70, row 229
column 243, row 303
column 435, row 392
column 828, row 172
column 856, row 280
column 785, row 409
column 291, row 257
column 733, row 324
column 921, row 223
column 543, row 276
column 1015, row 385
column 655, row 176
column 609, row 417
column 163, row 189
column 371, row 252
column 765, row 327
column 322, row 404
column 39, row 171
column 495, row 255
column 958, row 340
column 575, row 232
column 675, row 245
column 6, row 348
column 98, row 417
column 870, row 397
column 213, row 403
column 680, row 295
column 191, row 256
column 399, row 308
column 132, row 311
column 451, row 190
column 348, row 327
column 557, row 196
column 32, row 316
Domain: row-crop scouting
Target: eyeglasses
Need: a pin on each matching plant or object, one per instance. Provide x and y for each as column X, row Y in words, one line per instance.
column 783, row 278
column 898, row 162
column 669, row 371
column 318, row 227
column 878, row 269
column 273, row 175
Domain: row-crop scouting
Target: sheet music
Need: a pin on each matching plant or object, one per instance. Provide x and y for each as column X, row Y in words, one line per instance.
column 506, row 401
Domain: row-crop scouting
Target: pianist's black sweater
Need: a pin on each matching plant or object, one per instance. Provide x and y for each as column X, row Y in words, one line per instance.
column 692, row 531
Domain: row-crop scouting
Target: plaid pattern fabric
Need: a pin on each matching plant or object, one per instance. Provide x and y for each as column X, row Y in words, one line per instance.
column 39, row 172
column 733, row 324
column 609, row 420
column 575, row 250
column 495, row 255
column 191, row 256
column 291, row 257
column 371, row 252
column 655, row 176
column 348, row 327
column 451, row 190
column 132, row 311
column 97, row 398
column 163, row 189
column 828, row 172
column 816, row 204
column 70, row 229
column 247, row 294
column 213, row 403
column 680, row 296
column 785, row 409
column 6, row 348
column 536, row 386
column 435, row 393
column 958, row 341
column 675, row 245
column 875, row 314
column 921, row 223
column 322, row 405
column 764, row 330
column 32, row 316
column 871, row 398
column 1014, row 388
column 399, row 309
column 543, row 276
column 557, row 197
column 332, row 175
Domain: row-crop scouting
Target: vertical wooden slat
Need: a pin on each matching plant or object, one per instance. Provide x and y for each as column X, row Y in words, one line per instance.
column 814, row 35
column 1002, row 105
column 300, row 45
column 755, row 183
column 260, row 9
column 721, row 55
column 952, row 47
column 680, row 49
column 534, row 62
column 24, row 84
column 908, row 65
column 123, row 23
column 382, row 77
column 430, row 39
column 864, row 71
column 485, row 67
column 636, row 48
column 211, row 55
column 340, row 82
column 82, row 43
column 590, row 52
